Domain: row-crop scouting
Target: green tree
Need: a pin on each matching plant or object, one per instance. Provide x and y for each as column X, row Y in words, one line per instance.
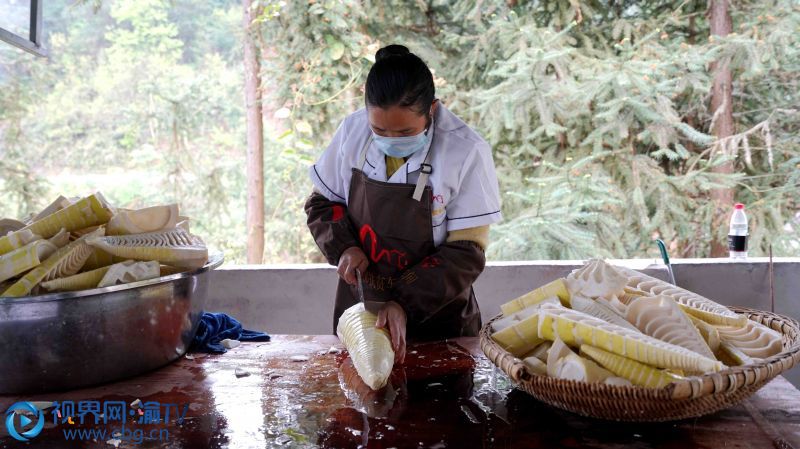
column 598, row 112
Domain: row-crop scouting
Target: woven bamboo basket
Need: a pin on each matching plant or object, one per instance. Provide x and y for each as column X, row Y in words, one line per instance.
column 693, row 397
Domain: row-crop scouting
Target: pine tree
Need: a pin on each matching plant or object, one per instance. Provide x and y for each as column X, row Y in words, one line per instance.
column 597, row 112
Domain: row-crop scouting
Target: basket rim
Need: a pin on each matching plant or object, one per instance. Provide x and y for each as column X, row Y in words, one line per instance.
column 726, row 381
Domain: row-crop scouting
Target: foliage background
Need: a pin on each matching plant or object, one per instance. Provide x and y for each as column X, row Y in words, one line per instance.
column 598, row 113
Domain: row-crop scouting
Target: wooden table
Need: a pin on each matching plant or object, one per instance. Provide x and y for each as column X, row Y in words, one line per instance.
column 448, row 395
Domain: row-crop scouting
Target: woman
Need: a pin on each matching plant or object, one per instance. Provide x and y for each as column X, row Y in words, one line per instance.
column 405, row 194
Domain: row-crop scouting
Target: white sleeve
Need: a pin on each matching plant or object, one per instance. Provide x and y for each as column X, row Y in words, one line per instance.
column 477, row 201
column 326, row 173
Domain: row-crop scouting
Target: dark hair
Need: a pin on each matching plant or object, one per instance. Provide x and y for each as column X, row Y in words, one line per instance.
column 399, row 78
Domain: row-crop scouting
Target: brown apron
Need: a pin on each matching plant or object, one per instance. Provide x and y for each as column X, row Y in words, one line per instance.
column 393, row 223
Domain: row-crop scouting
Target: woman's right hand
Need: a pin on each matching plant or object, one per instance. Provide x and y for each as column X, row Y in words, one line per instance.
column 352, row 259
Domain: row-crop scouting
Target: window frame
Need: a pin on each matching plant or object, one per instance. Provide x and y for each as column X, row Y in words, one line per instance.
column 33, row 44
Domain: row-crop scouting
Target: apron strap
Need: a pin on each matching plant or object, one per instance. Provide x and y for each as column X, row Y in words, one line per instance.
column 425, row 170
column 362, row 158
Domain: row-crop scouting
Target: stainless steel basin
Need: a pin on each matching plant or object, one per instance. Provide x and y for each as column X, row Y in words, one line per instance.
column 63, row 341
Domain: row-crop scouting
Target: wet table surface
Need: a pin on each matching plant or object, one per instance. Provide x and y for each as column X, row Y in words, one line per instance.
column 296, row 392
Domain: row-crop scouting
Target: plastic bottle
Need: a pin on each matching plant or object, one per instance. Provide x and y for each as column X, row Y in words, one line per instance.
column 737, row 235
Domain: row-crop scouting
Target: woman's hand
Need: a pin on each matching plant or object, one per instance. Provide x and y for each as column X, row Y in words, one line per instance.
column 352, row 259
column 393, row 317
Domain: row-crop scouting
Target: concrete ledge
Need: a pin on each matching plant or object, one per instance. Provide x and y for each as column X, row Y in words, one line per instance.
column 298, row 299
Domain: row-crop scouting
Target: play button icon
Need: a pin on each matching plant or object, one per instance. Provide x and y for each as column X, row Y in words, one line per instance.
column 22, row 409
column 24, row 421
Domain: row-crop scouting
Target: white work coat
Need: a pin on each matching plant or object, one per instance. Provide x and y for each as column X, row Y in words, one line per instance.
column 464, row 182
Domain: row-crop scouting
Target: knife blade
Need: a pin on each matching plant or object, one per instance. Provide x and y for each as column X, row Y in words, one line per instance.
column 370, row 306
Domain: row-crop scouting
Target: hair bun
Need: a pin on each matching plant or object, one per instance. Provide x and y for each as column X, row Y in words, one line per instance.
column 391, row 50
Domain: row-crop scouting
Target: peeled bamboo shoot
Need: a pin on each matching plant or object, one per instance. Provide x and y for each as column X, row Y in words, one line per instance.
column 661, row 318
column 535, row 365
column 577, row 328
column 81, row 281
column 25, row 258
column 754, row 339
column 369, row 347
column 64, row 262
column 599, row 309
column 519, row 338
column 90, row 211
column 638, row 373
column 556, row 288
column 140, row 221
column 174, row 247
column 575, row 367
column 692, row 303
column 516, row 317
column 130, row 271
column 596, row 279
column 709, row 332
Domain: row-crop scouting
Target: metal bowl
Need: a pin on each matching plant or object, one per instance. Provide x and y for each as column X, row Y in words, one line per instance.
column 63, row 341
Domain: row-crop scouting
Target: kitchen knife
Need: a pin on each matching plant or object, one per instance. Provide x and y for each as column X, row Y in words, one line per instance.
column 370, row 306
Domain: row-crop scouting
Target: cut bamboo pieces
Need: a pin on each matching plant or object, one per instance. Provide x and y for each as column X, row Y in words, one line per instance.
column 519, row 338
column 707, row 331
column 81, row 281
column 577, row 328
column 64, row 262
column 146, row 238
column 98, row 259
column 18, row 239
column 516, row 317
column 61, row 239
column 692, row 303
column 130, row 271
column 140, row 221
column 733, row 355
column 556, row 288
column 25, row 258
column 535, row 365
column 642, row 331
column 78, row 233
column 58, row 204
column 599, row 309
column 618, row 381
column 174, row 247
column 754, row 339
column 637, row 373
column 540, row 352
column 563, row 363
column 575, row 367
column 90, row 211
column 558, row 350
column 369, row 347
column 184, row 223
column 596, row 279
column 661, row 318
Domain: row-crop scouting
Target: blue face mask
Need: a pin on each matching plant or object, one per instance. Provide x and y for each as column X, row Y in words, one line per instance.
column 402, row 147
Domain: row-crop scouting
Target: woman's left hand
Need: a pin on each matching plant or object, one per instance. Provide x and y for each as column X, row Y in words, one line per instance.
column 393, row 317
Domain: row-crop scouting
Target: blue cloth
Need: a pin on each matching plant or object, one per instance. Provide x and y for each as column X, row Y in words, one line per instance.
column 215, row 327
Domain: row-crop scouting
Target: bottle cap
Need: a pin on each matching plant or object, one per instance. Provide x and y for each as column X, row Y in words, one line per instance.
column 738, row 206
